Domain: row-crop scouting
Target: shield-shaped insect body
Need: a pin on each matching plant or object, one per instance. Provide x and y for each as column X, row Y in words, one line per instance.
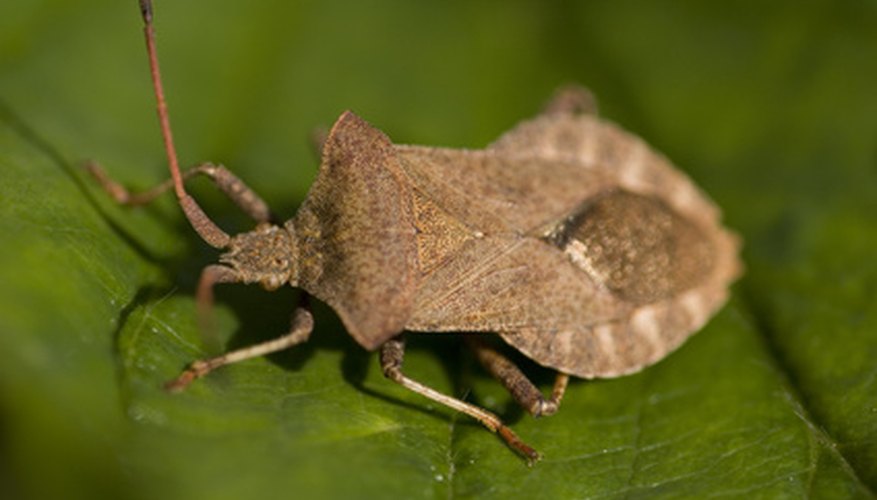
column 569, row 237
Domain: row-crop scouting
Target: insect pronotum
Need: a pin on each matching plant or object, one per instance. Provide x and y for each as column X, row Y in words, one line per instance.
column 568, row 237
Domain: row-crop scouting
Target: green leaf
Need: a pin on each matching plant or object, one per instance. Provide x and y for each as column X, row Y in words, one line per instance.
column 770, row 107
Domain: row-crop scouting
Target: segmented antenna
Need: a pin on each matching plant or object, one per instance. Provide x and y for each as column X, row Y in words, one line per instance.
column 206, row 228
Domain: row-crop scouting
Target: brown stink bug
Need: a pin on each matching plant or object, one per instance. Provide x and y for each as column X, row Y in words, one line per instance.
column 568, row 237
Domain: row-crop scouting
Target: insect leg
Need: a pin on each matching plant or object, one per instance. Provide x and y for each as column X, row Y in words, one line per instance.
column 302, row 325
column 210, row 276
column 571, row 99
column 525, row 393
column 242, row 196
column 392, row 355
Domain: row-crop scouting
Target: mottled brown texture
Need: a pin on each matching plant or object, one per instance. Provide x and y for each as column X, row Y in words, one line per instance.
column 636, row 245
column 356, row 234
column 570, row 238
column 439, row 234
column 627, row 334
column 558, row 236
column 266, row 255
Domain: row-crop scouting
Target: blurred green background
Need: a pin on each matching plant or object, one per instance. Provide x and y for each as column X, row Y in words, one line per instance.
column 770, row 106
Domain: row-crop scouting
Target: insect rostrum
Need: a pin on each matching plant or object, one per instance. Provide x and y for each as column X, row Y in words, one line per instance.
column 568, row 237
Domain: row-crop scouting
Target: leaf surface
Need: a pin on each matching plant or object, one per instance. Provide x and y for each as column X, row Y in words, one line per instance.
column 769, row 107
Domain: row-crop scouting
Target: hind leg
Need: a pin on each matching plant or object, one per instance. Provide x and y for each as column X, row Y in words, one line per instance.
column 525, row 393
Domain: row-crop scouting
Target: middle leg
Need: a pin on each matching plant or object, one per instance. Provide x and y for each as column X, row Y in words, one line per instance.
column 392, row 354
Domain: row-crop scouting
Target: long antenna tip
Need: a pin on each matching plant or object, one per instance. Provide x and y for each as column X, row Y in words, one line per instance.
column 146, row 10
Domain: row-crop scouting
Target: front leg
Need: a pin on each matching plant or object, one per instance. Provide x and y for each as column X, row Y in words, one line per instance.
column 300, row 331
